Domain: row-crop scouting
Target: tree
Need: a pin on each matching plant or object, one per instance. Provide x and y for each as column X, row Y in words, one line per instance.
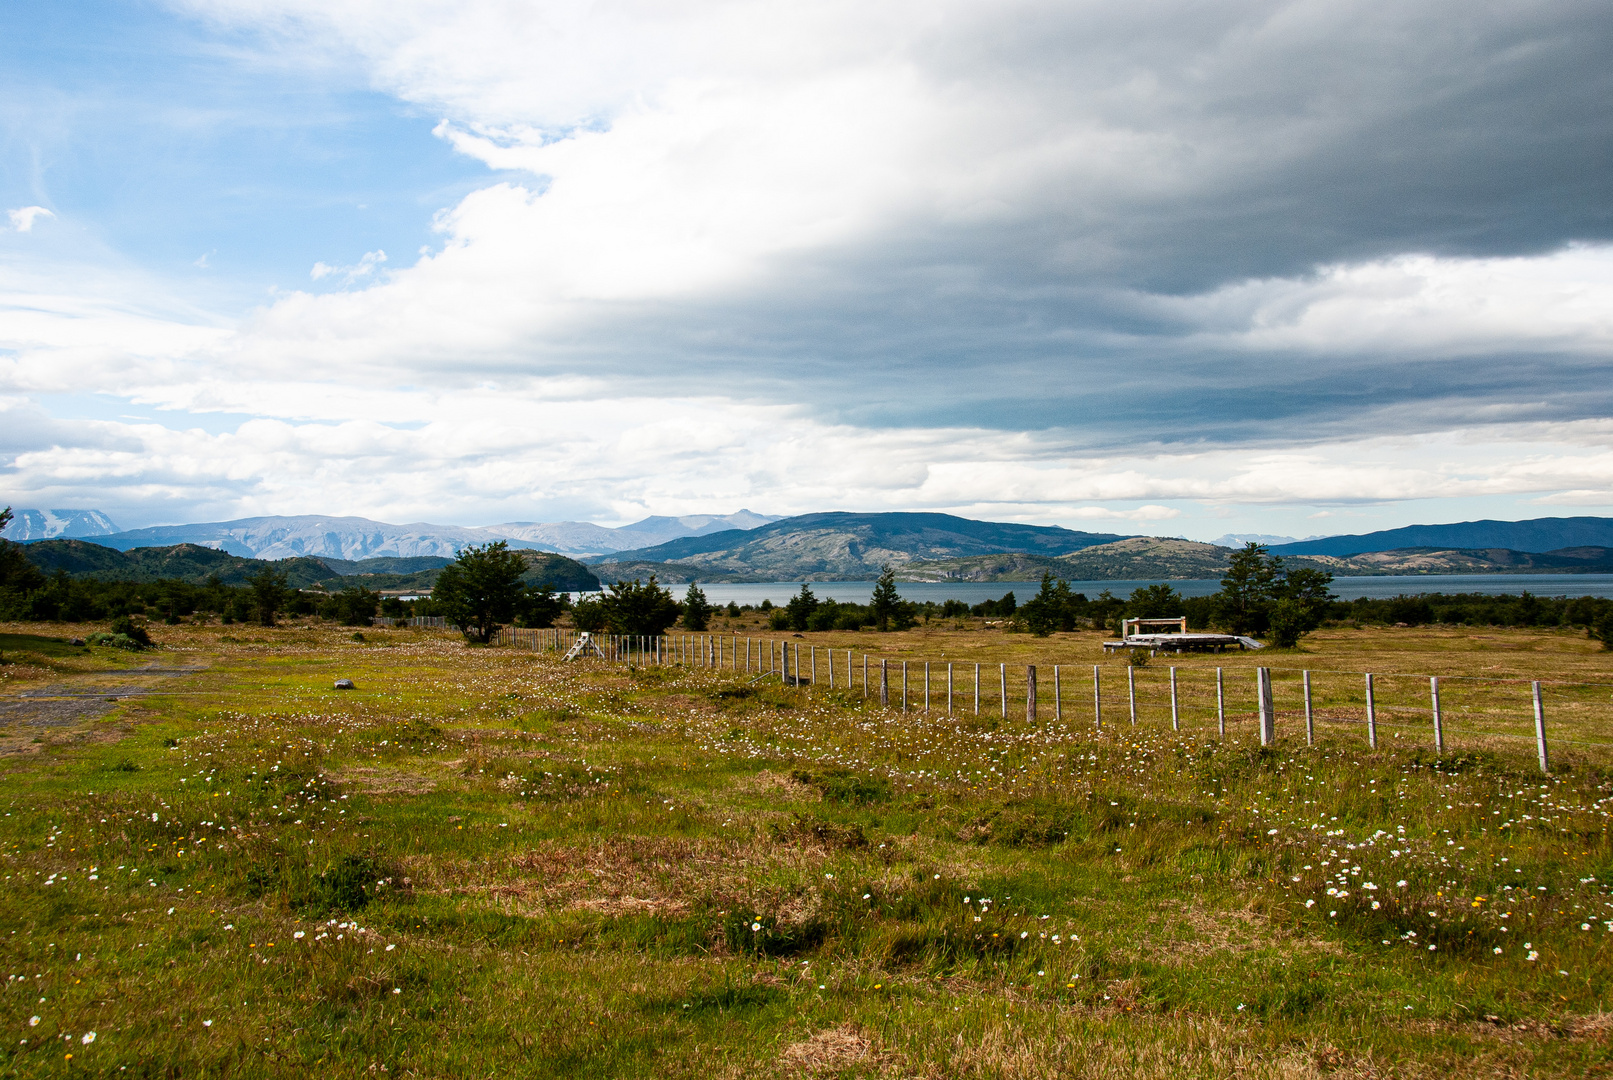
column 588, row 614
column 18, row 576
column 887, row 608
column 801, row 607
column 634, row 608
column 1246, row 590
column 1260, row 594
column 1052, row 608
column 1300, row 603
column 540, row 606
column 268, row 593
column 1154, row 602
column 478, row 591
column 355, row 605
column 696, row 610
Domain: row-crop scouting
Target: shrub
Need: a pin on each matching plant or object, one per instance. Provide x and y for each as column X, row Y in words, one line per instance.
column 135, row 631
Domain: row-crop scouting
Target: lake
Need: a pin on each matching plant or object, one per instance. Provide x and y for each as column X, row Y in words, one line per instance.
column 1347, row 588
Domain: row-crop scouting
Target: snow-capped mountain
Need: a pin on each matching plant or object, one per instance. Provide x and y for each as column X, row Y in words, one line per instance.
column 49, row 524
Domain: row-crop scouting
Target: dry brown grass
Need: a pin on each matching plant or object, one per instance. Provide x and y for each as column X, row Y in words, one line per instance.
column 776, row 785
column 828, row 1051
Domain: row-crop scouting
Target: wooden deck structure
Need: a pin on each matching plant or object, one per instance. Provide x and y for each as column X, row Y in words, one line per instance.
column 1178, row 639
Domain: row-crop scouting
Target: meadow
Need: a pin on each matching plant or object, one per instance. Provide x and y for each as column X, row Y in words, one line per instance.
column 482, row 862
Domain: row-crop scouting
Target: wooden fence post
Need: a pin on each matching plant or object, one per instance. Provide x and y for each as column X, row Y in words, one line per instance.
column 1439, row 727
column 1030, row 694
column 1220, row 703
column 904, row 685
column 926, row 686
column 1131, row 690
column 1372, row 716
column 1058, row 705
column 1002, row 688
column 1176, row 723
column 865, row 676
column 1540, row 730
column 1268, row 714
column 1310, row 714
column 1097, row 696
column 884, row 683
column 814, row 658
column 949, row 688
column 977, row 689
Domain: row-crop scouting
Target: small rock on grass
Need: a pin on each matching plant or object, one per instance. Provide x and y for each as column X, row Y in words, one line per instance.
column 345, row 684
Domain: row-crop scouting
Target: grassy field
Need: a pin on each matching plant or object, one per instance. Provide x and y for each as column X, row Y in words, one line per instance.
column 482, row 862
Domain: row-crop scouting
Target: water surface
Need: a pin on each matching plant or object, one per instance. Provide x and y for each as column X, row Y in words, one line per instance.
column 1347, row 588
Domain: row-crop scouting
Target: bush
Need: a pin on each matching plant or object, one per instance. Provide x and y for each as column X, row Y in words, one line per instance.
column 123, row 626
column 1602, row 630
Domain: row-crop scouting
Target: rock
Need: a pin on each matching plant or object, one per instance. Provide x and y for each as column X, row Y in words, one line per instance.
column 75, row 641
column 345, row 684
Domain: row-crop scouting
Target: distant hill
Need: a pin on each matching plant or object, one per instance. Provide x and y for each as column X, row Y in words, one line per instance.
column 1433, row 560
column 1135, row 558
column 195, row 564
column 1537, row 535
column 851, row 547
column 354, row 539
column 1009, row 566
column 1161, row 559
column 558, row 572
column 29, row 525
column 187, row 562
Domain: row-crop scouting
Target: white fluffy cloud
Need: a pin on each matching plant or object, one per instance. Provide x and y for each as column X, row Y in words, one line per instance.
column 1056, row 261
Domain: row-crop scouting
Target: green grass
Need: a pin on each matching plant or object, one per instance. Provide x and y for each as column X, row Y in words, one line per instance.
column 483, row 862
column 20, row 646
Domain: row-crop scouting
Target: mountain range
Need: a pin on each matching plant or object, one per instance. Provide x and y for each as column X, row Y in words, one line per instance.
column 841, row 546
column 29, row 525
column 1164, row 559
column 825, row 546
column 1538, row 535
column 351, row 538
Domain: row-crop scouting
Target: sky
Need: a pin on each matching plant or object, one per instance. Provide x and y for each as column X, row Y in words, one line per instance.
column 1282, row 267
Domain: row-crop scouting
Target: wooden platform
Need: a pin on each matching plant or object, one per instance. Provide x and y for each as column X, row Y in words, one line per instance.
column 1158, row 643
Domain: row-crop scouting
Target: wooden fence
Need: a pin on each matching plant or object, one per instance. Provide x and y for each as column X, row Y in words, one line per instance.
column 1379, row 706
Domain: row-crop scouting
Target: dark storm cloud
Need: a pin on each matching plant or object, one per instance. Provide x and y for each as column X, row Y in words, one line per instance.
column 1204, row 145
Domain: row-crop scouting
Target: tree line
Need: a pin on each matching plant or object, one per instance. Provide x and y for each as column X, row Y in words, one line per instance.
column 482, row 591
